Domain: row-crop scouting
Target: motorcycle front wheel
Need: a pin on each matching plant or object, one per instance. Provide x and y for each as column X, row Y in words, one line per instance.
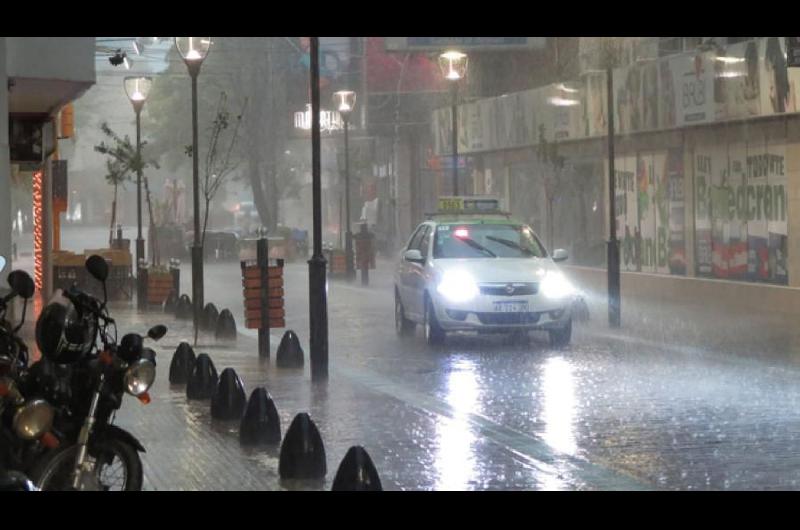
column 117, row 468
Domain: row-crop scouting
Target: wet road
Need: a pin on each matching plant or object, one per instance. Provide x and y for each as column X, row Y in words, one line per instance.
column 605, row 410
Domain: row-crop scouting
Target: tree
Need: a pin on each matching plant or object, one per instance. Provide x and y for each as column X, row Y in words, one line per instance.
column 218, row 163
column 547, row 152
column 264, row 71
column 124, row 161
column 115, row 176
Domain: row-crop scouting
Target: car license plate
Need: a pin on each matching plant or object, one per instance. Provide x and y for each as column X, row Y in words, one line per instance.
column 512, row 306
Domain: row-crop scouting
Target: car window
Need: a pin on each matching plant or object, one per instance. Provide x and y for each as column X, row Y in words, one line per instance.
column 486, row 241
column 425, row 242
column 415, row 239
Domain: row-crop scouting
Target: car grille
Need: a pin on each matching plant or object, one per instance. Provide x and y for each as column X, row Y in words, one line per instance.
column 502, row 289
column 508, row 318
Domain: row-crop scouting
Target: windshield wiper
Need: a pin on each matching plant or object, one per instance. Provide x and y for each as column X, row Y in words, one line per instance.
column 509, row 243
column 477, row 246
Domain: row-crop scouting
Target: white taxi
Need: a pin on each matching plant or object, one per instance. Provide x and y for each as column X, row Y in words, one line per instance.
column 472, row 268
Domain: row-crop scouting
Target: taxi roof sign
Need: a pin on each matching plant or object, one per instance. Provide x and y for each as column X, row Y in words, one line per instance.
column 469, row 204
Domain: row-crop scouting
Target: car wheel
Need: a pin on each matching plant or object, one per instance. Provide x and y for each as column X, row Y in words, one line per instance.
column 402, row 325
column 560, row 338
column 434, row 334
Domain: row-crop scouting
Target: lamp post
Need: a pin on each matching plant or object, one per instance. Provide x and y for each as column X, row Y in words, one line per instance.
column 454, row 68
column 345, row 102
column 194, row 50
column 137, row 89
column 317, row 281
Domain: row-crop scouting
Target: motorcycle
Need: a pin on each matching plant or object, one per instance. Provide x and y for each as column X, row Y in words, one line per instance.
column 25, row 422
column 98, row 455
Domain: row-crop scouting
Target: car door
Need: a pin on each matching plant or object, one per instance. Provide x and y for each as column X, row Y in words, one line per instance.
column 406, row 271
column 417, row 274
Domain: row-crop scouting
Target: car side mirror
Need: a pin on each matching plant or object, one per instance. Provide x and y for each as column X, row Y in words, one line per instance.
column 560, row 254
column 413, row 255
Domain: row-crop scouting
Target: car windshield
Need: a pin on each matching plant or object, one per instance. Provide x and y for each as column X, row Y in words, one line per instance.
column 486, row 241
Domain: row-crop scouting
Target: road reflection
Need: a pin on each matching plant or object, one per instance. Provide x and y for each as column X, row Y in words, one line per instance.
column 559, row 403
column 455, row 459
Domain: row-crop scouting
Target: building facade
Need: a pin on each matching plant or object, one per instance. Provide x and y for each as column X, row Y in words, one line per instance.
column 706, row 159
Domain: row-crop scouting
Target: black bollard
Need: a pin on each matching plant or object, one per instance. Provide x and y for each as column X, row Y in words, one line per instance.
column 183, row 309
column 357, row 472
column 226, row 326
column 203, row 381
column 210, row 317
column 228, row 400
column 182, row 364
column 302, row 452
column 260, row 423
column 171, row 303
column 290, row 353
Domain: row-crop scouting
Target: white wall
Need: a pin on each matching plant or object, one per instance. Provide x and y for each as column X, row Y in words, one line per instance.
column 64, row 58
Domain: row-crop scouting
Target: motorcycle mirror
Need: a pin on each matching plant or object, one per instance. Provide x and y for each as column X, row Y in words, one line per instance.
column 21, row 283
column 130, row 347
column 156, row 332
column 97, row 267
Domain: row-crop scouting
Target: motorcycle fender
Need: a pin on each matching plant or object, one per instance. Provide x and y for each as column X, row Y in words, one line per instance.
column 112, row 431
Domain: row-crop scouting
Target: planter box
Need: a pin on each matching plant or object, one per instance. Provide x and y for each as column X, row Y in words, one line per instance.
column 159, row 286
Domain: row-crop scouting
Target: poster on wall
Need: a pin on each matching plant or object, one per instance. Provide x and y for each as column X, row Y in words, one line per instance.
column 667, row 94
column 737, row 81
column 595, row 95
column 675, row 211
column 702, row 182
column 779, row 83
column 695, row 97
column 740, row 217
column 627, row 211
column 645, row 229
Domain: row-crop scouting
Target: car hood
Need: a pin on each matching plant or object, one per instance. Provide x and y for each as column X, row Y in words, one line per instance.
column 500, row 270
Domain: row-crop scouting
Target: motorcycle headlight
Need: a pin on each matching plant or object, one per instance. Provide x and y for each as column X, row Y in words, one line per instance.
column 33, row 419
column 556, row 285
column 139, row 377
column 458, row 286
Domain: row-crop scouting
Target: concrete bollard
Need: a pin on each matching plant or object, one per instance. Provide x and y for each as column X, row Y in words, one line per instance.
column 203, row 381
column 290, row 353
column 182, row 364
column 183, row 309
column 261, row 423
column 228, row 400
column 226, row 326
column 302, row 451
column 357, row 472
column 210, row 317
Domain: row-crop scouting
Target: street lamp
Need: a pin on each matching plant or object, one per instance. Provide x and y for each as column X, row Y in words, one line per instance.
column 454, row 68
column 345, row 102
column 137, row 89
column 194, row 50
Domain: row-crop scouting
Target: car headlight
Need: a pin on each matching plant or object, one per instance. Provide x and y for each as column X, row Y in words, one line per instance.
column 556, row 285
column 457, row 286
column 139, row 377
column 33, row 419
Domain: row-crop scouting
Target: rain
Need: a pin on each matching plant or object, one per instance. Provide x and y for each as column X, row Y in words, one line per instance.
column 510, row 263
